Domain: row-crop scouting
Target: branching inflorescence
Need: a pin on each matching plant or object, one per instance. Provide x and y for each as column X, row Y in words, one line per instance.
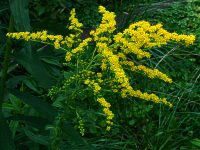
column 110, row 55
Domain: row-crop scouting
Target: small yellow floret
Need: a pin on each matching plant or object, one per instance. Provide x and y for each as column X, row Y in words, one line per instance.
column 68, row 56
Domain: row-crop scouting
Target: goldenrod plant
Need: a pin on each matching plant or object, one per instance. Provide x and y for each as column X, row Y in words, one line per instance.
column 102, row 62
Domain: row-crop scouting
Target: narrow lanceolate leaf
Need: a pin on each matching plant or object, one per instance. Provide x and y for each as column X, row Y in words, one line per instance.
column 38, row 104
column 37, row 138
column 20, row 13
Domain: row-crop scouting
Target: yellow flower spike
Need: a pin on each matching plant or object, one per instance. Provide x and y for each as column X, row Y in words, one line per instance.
column 109, row 114
column 44, row 36
column 153, row 73
column 68, row 56
column 56, row 44
column 108, row 25
column 93, row 85
column 97, row 88
column 75, row 24
column 103, row 102
column 81, row 46
column 103, row 66
column 102, row 9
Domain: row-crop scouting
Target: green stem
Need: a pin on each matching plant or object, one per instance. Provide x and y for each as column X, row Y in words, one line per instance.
column 92, row 59
column 48, row 43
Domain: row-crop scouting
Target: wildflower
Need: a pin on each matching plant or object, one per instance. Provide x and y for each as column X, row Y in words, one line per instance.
column 81, row 46
column 107, row 112
column 107, row 25
column 113, row 61
column 152, row 73
column 68, row 56
column 75, row 24
column 87, row 81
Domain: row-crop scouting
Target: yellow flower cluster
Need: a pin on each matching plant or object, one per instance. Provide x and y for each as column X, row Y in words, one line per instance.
column 75, row 24
column 114, row 64
column 81, row 126
column 83, row 44
column 154, row 73
column 57, row 40
column 106, row 105
column 145, row 96
column 108, row 24
column 68, row 56
column 106, row 109
column 78, row 49
column 38, row 36
column 94, row 85
column 151, row 73
column 69, row 40
column 113, row 55
column 123, row 81
column 83, row 74
column 103, row 64
column 128, row 46
column 139, row 35
column 142, row 35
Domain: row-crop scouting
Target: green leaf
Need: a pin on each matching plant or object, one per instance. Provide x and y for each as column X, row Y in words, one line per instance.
column 6, row 142
column 131, row 122
column 35, row 66
column 14, row 126
column 37, row 122
column 196, row 142
column 12, row 82
column 32, row 85
column 51, row 60
column 20, row 13
column 41, row 139
column 38, row 104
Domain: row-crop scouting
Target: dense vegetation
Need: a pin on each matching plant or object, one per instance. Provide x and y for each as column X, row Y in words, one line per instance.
column 88, row 78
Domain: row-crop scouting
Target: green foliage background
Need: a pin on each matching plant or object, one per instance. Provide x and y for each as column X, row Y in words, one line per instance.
column 30, row 119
